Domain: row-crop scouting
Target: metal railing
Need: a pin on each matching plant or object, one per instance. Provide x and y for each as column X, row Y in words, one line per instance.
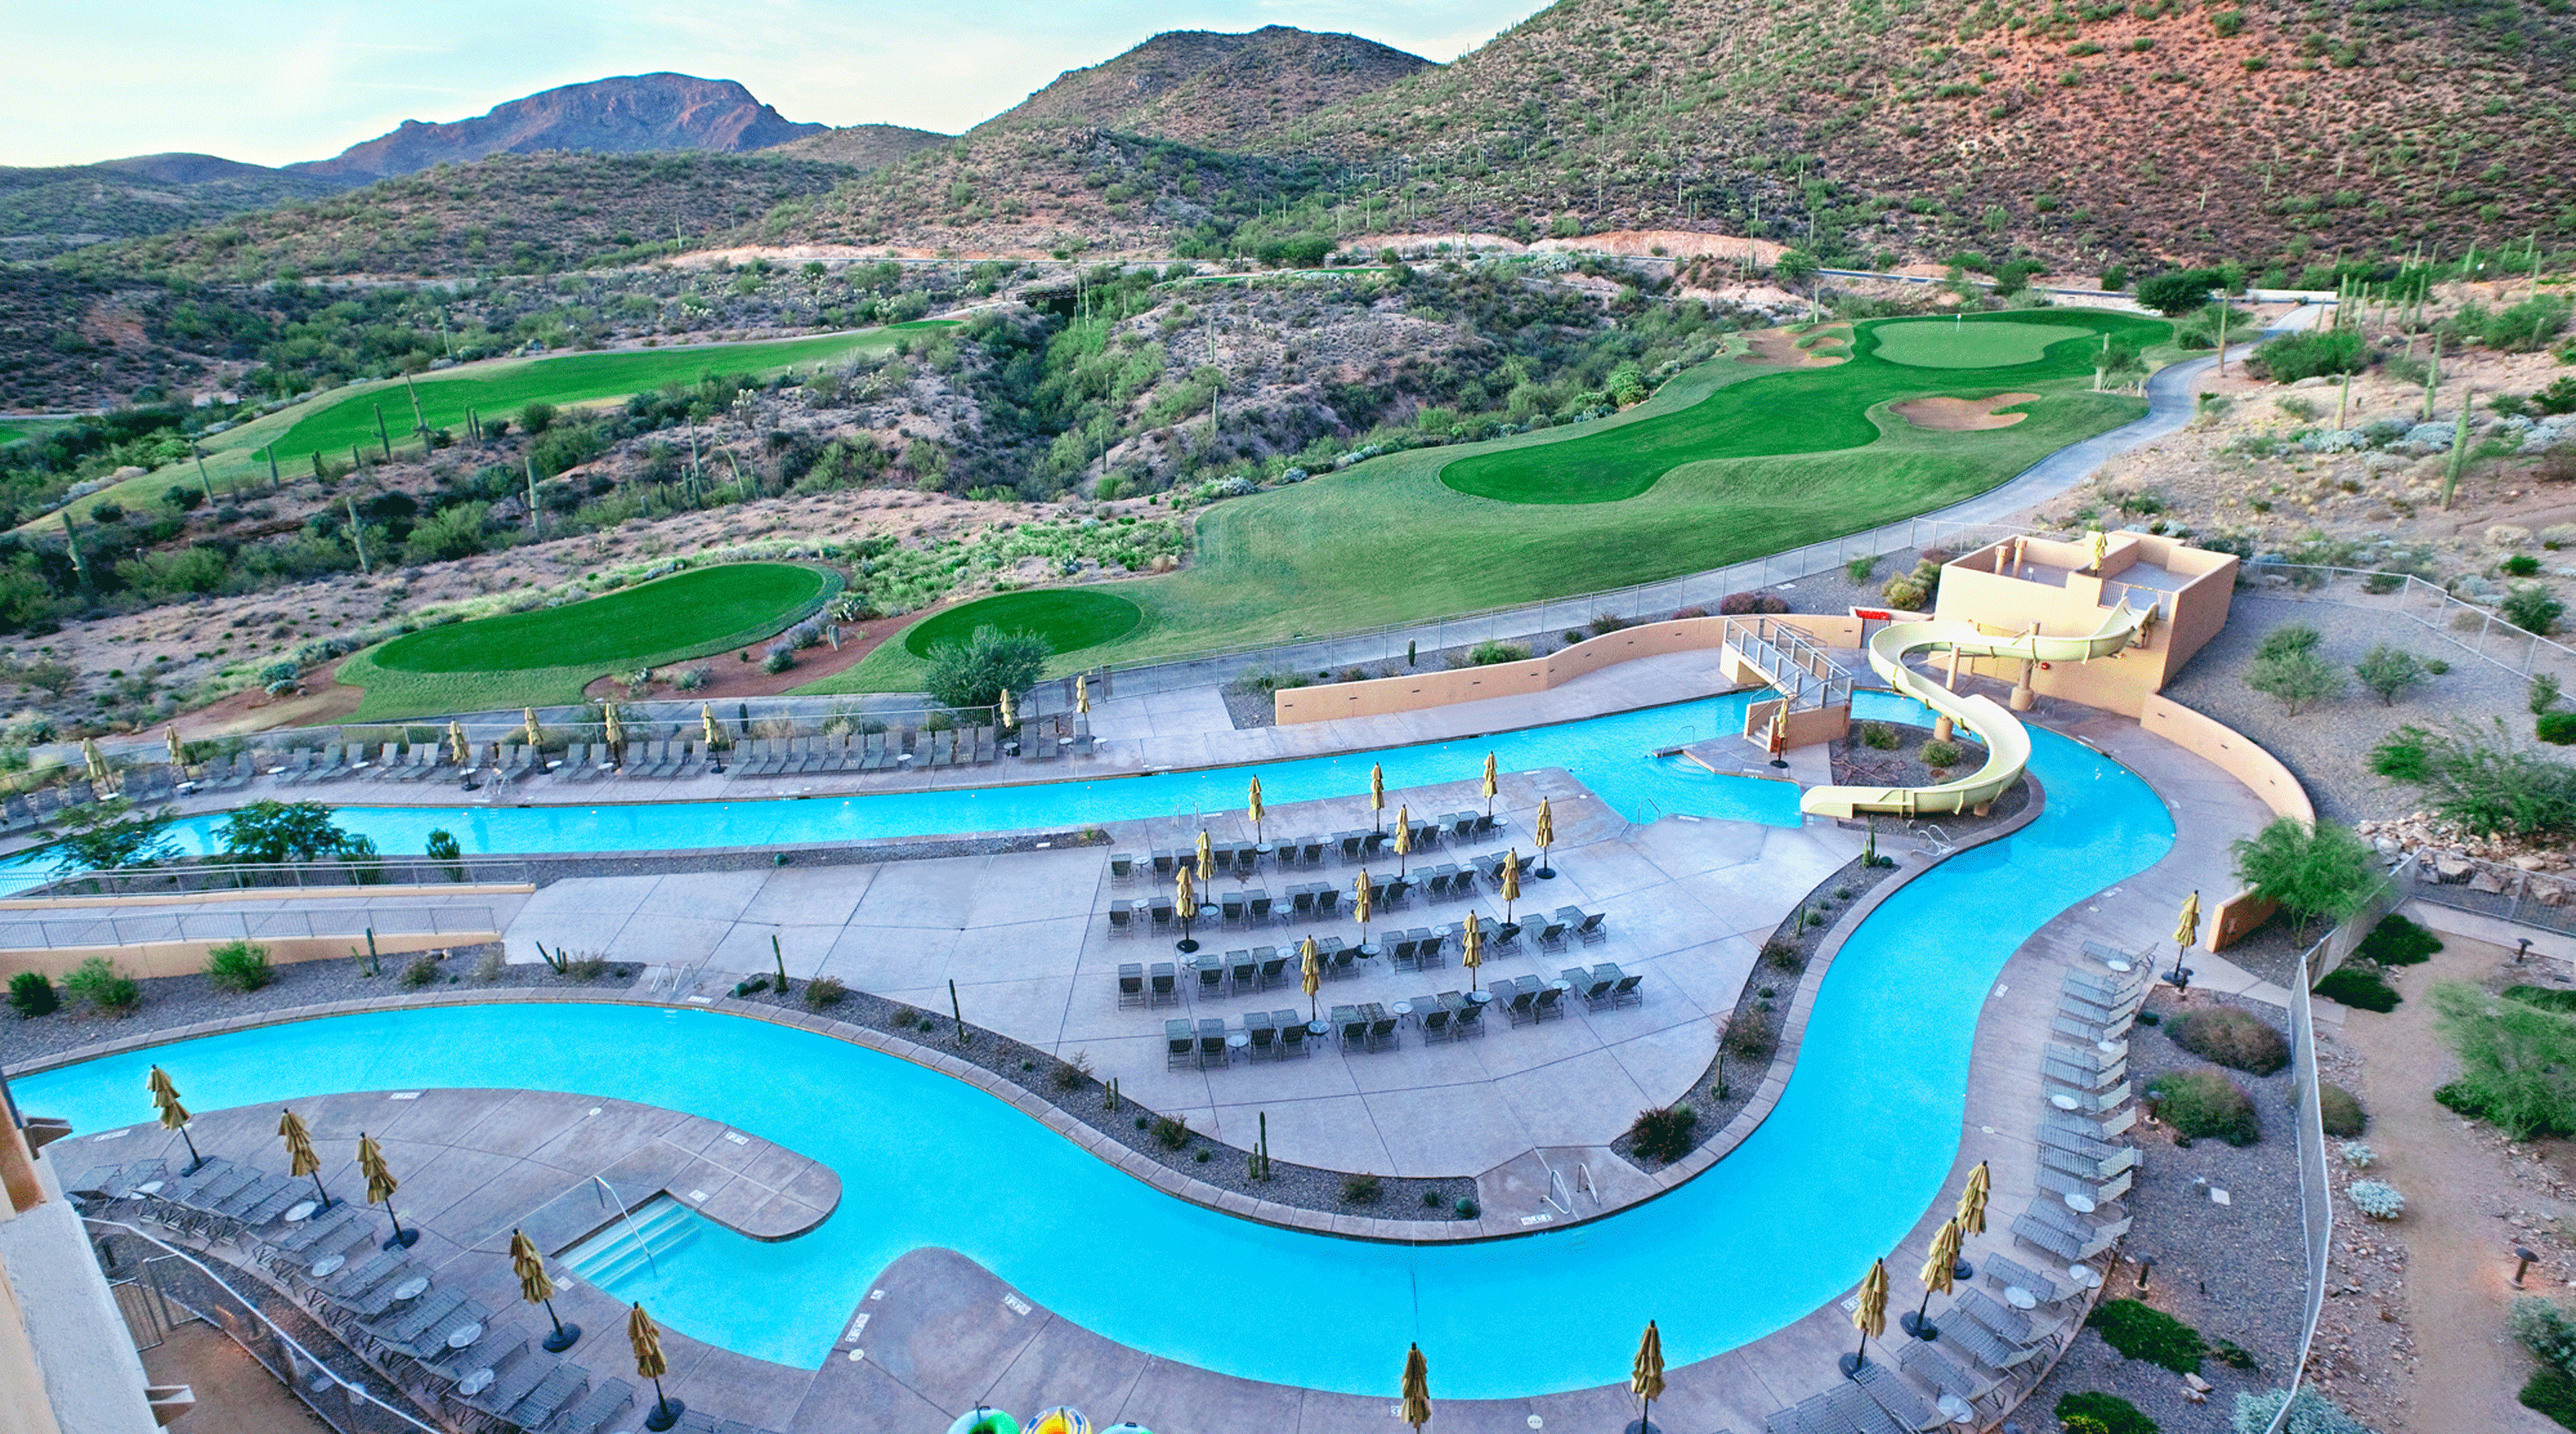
column 187, row 878
column 355, row 923
column 2546, row 900
column 341, row 1390
column 1794, row 663
column 2474, row 629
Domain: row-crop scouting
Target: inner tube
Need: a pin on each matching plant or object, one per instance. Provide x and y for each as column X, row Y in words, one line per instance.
column 980, row 1420
column 1062, row 1419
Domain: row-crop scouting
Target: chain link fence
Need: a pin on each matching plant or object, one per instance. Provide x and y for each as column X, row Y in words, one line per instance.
column 2542, row 899
column 2479, row 631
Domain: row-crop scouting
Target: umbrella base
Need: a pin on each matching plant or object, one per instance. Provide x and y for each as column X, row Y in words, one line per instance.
column 1545, row 873
column 1185, row 947
column 664, row 1415
column 1963, row 1272
column 401, row 1240
column 1780, row 762
column 1640, row 1426
column 1919, row 1327
column 563, row 1339
column 1850, row 1365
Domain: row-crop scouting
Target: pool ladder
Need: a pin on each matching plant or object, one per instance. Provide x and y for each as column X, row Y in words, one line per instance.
column 629, row 1217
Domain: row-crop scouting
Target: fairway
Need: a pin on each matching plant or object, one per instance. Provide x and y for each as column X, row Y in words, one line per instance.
column 1819, row 410
column 1070, row 619
column 501, row 391
column 1980, row 343
column 719, row 606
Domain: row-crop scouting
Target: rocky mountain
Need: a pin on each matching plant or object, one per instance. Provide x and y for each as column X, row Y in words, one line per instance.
column 624, row 115
column 46, row 211
column 863, row 146
column 1204, row 88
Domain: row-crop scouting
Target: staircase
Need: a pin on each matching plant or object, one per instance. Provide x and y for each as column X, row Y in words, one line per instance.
column 1792, row 662
column 661, row 1227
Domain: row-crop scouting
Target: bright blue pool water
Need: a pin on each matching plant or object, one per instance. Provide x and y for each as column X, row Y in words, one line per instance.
column 1607, row 753
column 1856, row 1150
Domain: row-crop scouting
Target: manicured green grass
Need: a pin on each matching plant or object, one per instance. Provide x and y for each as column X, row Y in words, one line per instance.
column 1816, row 410
column 1387, row 541
column 1982, row 342
column 1070, row 619
column 13, row 429
column 330, row 426
column 548, row 655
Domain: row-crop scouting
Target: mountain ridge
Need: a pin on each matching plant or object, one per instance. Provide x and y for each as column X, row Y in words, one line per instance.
column 622, row 114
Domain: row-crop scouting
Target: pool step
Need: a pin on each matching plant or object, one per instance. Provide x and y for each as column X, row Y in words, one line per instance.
column 661, row 1226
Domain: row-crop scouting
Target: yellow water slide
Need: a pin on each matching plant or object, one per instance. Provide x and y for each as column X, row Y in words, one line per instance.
column 2007, row 743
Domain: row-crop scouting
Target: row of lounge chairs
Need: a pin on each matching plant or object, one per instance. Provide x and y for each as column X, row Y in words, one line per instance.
column 435, row 1342
column 1244, row 858
column 1445, row 1016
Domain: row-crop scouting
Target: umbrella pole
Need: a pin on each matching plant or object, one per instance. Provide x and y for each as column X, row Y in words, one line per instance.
column 1545, row 872
column 400, row 1238
column 194, row 1159
column 564, row 1335
column 1852, row 1362
column 1918, row 1324
column 319, row 1191
column 666, row 1411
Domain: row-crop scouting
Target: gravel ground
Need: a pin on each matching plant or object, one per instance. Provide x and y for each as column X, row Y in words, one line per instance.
column 2233, row 1272
column 2325, row 745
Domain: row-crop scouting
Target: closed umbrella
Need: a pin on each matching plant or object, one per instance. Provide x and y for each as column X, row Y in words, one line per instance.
column 1471, row 949
column 1546, row 835
column 1185, row 905
column 1775, row 739
column 1869, row 1316
column 616, row 734
column 1010, row 711
column 1511, row 883
column 456, row 750
column 1310, row 973
column 1939, row 1273
column 381, row 1186
column 2098, row 549
column 1417, row 1390
column 178, row 752
column 1207, row 857
column 1493, row 784
column 300, row 1159
column 1646, row 1378
column 646, row 1337
column 534, row 735
column 1082, row 694
column 163, row 1092
column 1360, row 906
column 1377, row 794
column 1403, row 836
column 707, row 723
column 536, row 1289
column 1255, row 809
column 174, row 1116
column 1971, row 1217
column 96, row 759
column 2187, row 928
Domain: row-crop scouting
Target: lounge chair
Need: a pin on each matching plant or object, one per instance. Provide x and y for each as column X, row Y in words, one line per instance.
column 1350, row 842
column 1212, row 1046
column 2100, row 1192
column 1311, row 852
column 1550, row 1002
column 1292, row 1039
column 1272, row 968
column 1165, row 985
column 1519, row 1006
column 1328, row 903
column 2119, row 1161
column 1354, row 1033
column 1382, row 1033
column 1122, row 867
column 1262, row 1032
column 1180, row 1043
column 1588, row 930
column 1231, row 907
column 1551, row 937
column 1432, row 1017
column 298, row 766
column 1926, row 1362
column 1913, row 1413
column 1256, row 907
column 603, row 1403
column 2008, row 1273
column 1131, row 983
column 1245, row 970
column 1626, row 993
column 1211, row 978
column 1122, row 918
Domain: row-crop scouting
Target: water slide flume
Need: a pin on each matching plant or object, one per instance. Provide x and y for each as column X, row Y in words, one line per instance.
column 2007, row 744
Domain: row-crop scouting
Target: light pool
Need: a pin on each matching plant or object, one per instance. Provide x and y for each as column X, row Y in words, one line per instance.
column 1856, row 1150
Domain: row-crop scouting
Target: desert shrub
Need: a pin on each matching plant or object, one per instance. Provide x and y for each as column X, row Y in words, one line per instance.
column 1903, row 593
column 1784, row 954
column 1071, row 1075
column 2340, row 1112
column 98, row 982
column 1360, row 1189
column 2376, row 1198
column 2544, row 1328
column 239, row 966
column 2553, row 1394
column 2388, row 672
column 2547, row 998
column 2481, row 779
column 976, row 672
column 2295, row 679
column 2357, row 1154
column 2558, row 729
column 2237, row 1039
column 1752, row 1036
column 2138, row 1331
column 1172, row 1131
column 2109, row 1413
column 2310, row 1413
column 423, row 971
column 1490, row 652
column 2396, row 941
column 2359, row 988
column 2288, row 638
column 2204, row 1104
column 2315, row 872
column 2531, row 607
column 2292, row 357
column 1751, row 604
column 825, row 991
column 1937, row 753
column 1878, row 737
column 1664, row 1133
column 31, row 994
column 492, row 967
column 1860, row 570
column 1606, row 623
column 589, row 966
column 2517, row 1062
column 780, row 658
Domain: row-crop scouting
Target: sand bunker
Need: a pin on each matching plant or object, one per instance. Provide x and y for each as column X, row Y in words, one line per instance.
column 1789, row 350
column 1962, row 415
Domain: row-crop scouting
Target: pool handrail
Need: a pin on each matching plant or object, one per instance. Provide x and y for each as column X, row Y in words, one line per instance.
column 2007, row 743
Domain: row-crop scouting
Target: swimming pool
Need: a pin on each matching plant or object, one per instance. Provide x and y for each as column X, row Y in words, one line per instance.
column 1608, row 754
column 1858, row 1147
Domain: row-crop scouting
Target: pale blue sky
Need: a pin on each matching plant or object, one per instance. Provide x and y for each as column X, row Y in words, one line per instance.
column 271, row 81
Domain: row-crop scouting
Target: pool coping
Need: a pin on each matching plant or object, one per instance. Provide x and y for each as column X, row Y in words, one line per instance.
column 1347, row 1225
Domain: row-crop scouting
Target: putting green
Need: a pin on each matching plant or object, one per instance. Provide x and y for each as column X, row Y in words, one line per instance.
column 1949, row 343
column 1070, row 619
column 703, row 609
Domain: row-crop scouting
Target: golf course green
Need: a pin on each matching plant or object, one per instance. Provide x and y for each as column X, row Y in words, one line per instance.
column 504, row 390
column 1070, row 619
column 1403, row 539
column 1964, row 343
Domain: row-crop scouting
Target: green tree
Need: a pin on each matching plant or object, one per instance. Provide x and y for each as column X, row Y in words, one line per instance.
column 2388, row 672
column 442, row 847
column 1794, row 268
column 2296, row 679
column 2176, row 294
column 976, row 672
column 2530, row 607
column 2481, row 778
column 2319, row 871
column 112, row 835
column 270, row 831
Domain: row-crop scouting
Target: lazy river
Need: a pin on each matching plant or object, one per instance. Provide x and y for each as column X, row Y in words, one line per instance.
column 1858, row 1147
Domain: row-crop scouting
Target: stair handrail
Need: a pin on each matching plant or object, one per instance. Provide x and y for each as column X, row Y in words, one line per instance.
column 640, row 1242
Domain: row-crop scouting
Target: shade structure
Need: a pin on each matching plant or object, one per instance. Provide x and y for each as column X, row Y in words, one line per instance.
column 1416, row 1409
column 300, row 1158
column 2098, row 548
column 616, row 733
column 533, row 733
column 381, row 1183
column 456, row 749
column 1972, row 1201
column 1471, row 949
column 1252, row 808
column 174, row 1116
column 1403, row 836
column 1360, row 902
column 1185, row 904
column 1377, row 792
column 646, row 1339
column 1492, row 786
column 2187, row 926
column 1940, row 1273
column 96, row 760
column 1082, row 694
column 1511, row 881
column 536, row 1288
column 1010, row 710
column 707, row 722
column 1310, row 973
column 1544, row 832
column 159, row 1083
column 178, row 752
column 1207, row 857
column 1869, row 1314
column 1646, row 1376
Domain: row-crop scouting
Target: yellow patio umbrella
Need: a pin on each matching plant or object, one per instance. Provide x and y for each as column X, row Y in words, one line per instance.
column 2098, row 549
column 1511, row 883
column 1377, row 794
column 1403, row 836
column 646, row 1337
column 456, row 741
column 1869, row 1316
column 1493, row 784
column 178, row 751
column 1207, row 857
column 2187, row 929
column 536, row 1289
column 534, row 734
column 1185, row 905
column 1360, row 907
column 1471, row 949
column 1082, row 693
column 616, row 734
column 1255, row 809
column 96, row 759
column 1417, row 1389
column 1972, row 1201
column 1310, row 973
column 1775, row 740
column 707, row 722
column 1546, row 835
column 1939, row 1274
column 1010, row 710
column 300, row 1159
column 1646, row 1376
column 174, row 1116
column 381, row 1186
column 163, row 1092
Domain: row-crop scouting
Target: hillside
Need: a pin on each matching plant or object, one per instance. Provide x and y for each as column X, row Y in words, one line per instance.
column 862, row 146
column 624, row 115
column 1222, row 91
column 48, row 210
